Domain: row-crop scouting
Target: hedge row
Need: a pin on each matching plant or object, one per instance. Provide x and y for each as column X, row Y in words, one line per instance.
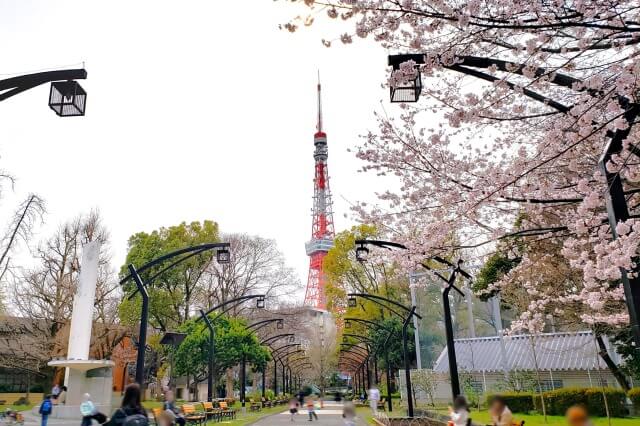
column 518, row 402
column 558, row 401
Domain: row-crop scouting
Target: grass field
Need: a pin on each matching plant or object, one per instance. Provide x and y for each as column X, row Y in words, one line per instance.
column 17, row 407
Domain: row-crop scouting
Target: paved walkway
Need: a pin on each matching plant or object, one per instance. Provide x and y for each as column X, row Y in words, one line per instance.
column 330, row 415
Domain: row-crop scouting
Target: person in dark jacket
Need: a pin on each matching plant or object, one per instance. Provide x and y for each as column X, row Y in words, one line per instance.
column 131, row 406
column 170, row 404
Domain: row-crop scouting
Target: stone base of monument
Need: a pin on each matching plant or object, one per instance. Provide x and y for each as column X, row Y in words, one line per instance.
column 85, row 376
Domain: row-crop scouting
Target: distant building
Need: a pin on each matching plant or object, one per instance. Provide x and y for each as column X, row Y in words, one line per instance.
column 25, row 349
column 568, row 359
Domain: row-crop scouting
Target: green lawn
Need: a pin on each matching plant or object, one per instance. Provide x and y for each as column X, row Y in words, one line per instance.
column 17, row 407
column 482, row 417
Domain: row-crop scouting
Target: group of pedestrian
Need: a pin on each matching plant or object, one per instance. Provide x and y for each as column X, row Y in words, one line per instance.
column 301, row 401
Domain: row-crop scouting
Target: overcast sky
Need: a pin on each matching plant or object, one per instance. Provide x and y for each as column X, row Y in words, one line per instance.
column 196, row 110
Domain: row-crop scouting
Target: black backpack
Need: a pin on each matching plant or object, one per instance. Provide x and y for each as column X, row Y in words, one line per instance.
column 136, row 419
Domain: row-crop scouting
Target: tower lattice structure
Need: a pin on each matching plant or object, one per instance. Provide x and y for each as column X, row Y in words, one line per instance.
column 322, row 230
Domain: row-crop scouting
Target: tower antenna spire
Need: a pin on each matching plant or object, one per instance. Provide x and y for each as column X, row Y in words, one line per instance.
column 322, row 230
column 319, row 105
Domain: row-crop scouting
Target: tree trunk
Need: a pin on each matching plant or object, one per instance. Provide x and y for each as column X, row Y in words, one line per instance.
column 229, row 390
column 613, row 367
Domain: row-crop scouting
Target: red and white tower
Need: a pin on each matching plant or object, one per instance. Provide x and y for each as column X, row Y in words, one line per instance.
column 322, row 231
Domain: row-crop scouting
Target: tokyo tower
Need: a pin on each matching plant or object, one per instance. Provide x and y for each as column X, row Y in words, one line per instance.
column 322, row 231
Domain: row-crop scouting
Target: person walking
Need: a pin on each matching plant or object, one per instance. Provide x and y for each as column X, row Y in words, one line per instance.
column 374, row 397
column 293, row 407
column 87, row 409
column 62, row 396
column 45, row 409
column 459, row 413
column 500, row 413
column 577, row 416
column 311, row 408
column 131, row 412
column 170, row 405
column 349, row 414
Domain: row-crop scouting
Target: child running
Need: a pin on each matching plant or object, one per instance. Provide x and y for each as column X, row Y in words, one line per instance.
column 311, row 408
column 293, row 407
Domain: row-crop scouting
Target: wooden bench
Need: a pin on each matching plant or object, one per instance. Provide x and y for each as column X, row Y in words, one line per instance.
column 254, row 406
column 211, row 412
column 226, row 411
column 381, row 404
column 192, row 416
column 266, row 403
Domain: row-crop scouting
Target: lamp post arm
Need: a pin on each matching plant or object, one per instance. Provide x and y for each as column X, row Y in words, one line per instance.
column 275, row 351
column 349, row 352
column 361, row 338
column 14, row 85
column 199, row 248
column 350, row 346
column 258, row 325
column 236, row 300
column 363, row 321
column 279, row 336
column 376, row 298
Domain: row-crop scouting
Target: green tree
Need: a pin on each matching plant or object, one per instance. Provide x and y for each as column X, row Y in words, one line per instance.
column 173, row 292
column 232, row 341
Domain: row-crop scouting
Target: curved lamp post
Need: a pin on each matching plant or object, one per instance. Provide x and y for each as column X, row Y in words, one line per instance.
column 383, row 301
column 67, row 98
column 222, row 256
column 253, row 328
column 229, row 304
column 456, row 269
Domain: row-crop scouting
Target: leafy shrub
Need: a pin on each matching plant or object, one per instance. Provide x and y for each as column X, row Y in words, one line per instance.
column 21, row 401
column 36, row 389
column 518, row 402
column 615, row 400
column 634, row 396
column 558, row 401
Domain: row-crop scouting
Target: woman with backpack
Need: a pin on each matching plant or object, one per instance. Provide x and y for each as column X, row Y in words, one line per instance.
column 131, row 412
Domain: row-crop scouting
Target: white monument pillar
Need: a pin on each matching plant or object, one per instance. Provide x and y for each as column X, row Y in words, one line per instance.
column 84, row 375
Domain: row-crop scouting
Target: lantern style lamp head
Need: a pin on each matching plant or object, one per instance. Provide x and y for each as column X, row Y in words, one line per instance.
column 67, row 98
column 260, row 302
column 408, row 91
column 280, row 324
column 347, row 324
column 362, row 253
column 352, row 302
column 292, row 339
column 223, row 256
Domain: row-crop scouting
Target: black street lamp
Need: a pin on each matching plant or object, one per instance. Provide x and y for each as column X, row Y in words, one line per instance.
column 134, row 273
column 407, row 91
column 378, row 327
column 406, row 320
column 253, row 328
column 229, row 304
column 66, row 97
column 448, row 322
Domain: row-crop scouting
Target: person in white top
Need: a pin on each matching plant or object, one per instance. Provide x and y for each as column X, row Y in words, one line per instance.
column 374, row 397
column 500, row 413
column 459, row 413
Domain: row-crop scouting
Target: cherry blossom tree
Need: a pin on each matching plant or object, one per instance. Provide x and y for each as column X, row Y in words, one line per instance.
column 523, row 100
